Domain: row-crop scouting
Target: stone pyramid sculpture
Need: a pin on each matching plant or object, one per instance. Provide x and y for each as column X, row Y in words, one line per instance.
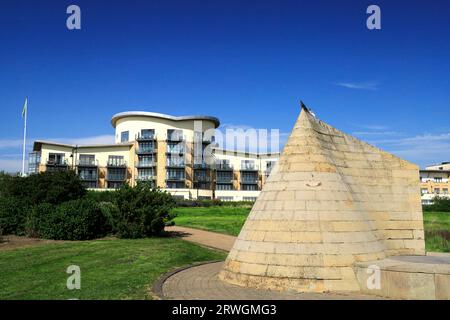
column 331, row 201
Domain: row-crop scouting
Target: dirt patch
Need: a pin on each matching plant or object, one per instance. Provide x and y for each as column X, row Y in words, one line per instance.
column 13, row 242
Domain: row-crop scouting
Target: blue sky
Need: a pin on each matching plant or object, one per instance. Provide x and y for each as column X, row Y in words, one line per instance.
column 246, row 62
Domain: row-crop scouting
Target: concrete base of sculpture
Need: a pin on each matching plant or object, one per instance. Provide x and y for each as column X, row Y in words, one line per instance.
column 400, row 277
column 407, row 277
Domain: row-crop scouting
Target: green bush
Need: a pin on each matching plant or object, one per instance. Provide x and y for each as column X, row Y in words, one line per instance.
column 439, row 205
column 80, row 219
column 101, row 196
column 47, row 187
column 142, row 211
column 13, row 212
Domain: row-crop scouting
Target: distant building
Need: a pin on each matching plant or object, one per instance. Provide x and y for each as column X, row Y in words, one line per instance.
column 434, row 182
column 164, row 151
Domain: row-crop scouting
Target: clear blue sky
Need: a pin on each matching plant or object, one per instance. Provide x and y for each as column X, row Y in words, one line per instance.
column 246, row 62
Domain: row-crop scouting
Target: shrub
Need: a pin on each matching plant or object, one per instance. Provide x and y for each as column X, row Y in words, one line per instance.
column 13, row 212
column 101, row 196
column 142, row 211
column 439, row 204
column 73, row 220
column 46, row 187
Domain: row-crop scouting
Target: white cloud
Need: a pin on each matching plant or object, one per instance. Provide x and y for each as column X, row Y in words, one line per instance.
column 102, row 139
column 358, row 85
column 424, row 149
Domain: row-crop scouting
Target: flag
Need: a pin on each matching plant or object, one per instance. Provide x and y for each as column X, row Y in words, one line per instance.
column 24, row 110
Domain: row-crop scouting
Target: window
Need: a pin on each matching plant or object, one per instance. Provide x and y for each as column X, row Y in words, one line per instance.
column 437, row 179
column 225, row 198
column 249, row 187
column 34, row 159
column 174, row 174
column 224, row 186
column 445, row 190
column 116, row 174
column 175, row 147
column 247, row 164
column 147, row 133
column 424, row 190
column 87, row 159
column 249, row 177
column 56, row 158
column 224, row 176
column 175, row 185
column 253, row 199
column 115, row 184
column 146, row 174
column 124, row 136
column 437, row 190
column 116, row 161
column 87, row 174
column 174, row 134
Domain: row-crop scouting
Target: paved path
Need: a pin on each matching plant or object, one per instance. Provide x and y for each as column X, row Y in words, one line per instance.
column 202, row 283
column 206, row 238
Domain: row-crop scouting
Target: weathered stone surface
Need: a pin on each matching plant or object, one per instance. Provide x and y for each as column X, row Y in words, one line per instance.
column 330, row 201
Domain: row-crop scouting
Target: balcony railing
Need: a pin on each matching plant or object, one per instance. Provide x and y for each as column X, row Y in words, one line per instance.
column 250, row 181
column 224, row 167
column 200, row 166
column 116, row 163
column 53, row 162
column 88, row 177
column 224, row 180
column 145, row 164
column 175, row 137
column 175, row 178
column 146, row 150
column 145, row 137
column 146, row 178
column 202, row 178
column 249, row 167
column 175, row 164
column 115, row 177
column 87, row 163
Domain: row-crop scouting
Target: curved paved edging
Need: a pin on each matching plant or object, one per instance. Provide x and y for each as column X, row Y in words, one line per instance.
column 157, row 288
column 201, row 282
column 206, row 238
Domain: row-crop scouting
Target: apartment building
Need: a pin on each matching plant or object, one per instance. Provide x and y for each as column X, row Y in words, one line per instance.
column 177, row 154
column 434, row 182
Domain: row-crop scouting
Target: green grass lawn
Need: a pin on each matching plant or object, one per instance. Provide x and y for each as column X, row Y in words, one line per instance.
column 110, row 269
column 229, row 220
column 437, row 231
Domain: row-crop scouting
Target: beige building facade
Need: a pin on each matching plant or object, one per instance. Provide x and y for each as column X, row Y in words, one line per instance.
column 435, row 182
column 177, row 154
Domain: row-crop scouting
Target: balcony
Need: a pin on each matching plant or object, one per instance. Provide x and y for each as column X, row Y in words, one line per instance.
column 116, row 163
column 145, row 164
column 115, row 177
column 145, row 137
column 175, row 164
column 201, row 178
column 146, row 178
column 56, row 163
column 88, row 177
column 175, row 137
column 249, row 167
column 175, row 149
column 175, row 178
column 224, row 180
column 87, row 163
column 224, row 167
column 250, row 181
column 147, row 150
column 201, row 166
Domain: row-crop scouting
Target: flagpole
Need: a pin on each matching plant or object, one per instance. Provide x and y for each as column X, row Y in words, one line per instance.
column 24, row 137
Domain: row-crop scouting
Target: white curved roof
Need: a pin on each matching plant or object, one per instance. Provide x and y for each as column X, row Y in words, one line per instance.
column 126, row 114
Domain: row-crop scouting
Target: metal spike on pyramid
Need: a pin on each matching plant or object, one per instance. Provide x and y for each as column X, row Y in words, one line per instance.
column 331, row 200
